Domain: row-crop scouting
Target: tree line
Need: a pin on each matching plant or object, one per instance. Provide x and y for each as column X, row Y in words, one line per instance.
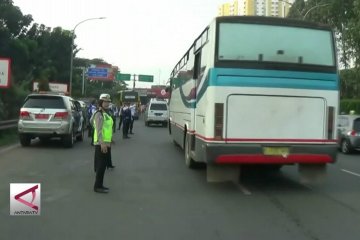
column 37, row 53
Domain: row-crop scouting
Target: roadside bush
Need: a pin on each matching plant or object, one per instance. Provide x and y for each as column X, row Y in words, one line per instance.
column 346, row 105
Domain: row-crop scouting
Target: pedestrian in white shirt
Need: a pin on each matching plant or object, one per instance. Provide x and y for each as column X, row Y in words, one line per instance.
column 133, row 110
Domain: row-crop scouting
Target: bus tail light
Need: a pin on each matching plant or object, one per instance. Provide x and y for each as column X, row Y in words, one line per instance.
column 219, row 120
column 330, row 118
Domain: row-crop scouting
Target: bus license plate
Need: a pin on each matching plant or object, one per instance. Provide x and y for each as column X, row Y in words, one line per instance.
column 276, row 151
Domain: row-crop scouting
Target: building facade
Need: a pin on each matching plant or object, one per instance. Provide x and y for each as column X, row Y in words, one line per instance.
column 274, row 8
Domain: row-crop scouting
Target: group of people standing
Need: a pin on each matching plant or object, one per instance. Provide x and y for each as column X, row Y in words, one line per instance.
column 125, row 112
column 127, row 118
column 102, row 125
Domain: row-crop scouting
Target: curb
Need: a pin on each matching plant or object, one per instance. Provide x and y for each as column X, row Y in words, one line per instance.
column 8, row 148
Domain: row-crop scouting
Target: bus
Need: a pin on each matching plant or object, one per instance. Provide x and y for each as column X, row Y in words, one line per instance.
column 129, row 96
column 132, row 97
column 256, row 90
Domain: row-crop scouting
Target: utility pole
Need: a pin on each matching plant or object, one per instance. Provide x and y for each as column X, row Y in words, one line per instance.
column 134, row 83
column 83, row 82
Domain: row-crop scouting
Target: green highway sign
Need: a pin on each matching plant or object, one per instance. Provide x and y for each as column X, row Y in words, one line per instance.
column 146, row 78
column 123, row 77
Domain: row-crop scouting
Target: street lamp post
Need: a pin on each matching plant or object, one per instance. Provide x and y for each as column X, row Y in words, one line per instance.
column 312, row 8
column 316, row 6
column 72, row 49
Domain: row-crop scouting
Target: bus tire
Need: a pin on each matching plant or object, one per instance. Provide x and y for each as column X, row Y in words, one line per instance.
column 189, row 162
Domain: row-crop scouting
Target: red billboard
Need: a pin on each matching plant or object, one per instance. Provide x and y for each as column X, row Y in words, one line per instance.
column 158, row 91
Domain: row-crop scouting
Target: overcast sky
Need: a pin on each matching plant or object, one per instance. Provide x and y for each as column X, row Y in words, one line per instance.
column 138, row 36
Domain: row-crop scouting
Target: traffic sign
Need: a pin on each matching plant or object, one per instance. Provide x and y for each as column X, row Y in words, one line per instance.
column 146, row 78
column 123, row 77
column 97, row 72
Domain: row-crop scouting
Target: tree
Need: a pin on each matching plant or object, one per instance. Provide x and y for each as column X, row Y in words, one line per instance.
column 38, row 53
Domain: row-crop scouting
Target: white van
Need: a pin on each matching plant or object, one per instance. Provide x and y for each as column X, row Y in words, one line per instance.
column 156, row 112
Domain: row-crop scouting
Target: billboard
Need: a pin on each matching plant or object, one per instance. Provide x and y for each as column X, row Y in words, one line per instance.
column 158, row 91
column 54, row 87
column 102, row 72
column 5, row 72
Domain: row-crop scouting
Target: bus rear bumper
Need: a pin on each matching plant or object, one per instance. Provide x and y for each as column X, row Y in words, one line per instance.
column 254, row 154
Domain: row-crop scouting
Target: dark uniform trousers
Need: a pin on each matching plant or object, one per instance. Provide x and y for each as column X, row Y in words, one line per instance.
column 101, row 161
column 131, row 125
column 126, row 125
column 120, row 121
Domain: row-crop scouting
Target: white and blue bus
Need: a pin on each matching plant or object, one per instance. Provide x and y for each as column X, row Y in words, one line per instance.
column 257, row 90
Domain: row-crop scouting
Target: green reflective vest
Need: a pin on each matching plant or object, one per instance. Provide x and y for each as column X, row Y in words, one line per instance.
column 107, row 129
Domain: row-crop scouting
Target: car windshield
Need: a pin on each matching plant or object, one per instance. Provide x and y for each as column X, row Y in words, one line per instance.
column 357, row 124
column 44, row 102
column 158, row 106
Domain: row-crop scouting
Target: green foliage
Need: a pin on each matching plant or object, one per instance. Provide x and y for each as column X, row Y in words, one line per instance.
column 8, row 137
column 37, row 53
column 350, row 83
column 347, row 105
column 2, row 110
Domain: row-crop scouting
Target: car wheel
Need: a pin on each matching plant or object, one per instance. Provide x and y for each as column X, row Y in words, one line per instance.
column 68, row 140
column 345, row 146
column 80, row 137
column 165, row 124
column 25, row 140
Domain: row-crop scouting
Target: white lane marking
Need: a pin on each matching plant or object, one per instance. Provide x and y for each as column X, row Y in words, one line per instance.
column 355, row 174
column 243, row 189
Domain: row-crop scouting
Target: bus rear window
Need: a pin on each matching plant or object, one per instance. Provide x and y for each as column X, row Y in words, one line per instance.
column 282, row 44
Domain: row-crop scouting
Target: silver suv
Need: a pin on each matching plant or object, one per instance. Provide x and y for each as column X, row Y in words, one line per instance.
column 349, row 133
column 50, row 115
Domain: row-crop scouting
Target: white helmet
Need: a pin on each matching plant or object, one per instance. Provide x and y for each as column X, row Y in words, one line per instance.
column 105, row 97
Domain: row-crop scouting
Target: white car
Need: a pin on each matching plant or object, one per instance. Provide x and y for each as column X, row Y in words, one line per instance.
column 156, row 112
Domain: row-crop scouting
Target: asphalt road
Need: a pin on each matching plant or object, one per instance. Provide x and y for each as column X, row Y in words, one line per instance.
column 154, row 196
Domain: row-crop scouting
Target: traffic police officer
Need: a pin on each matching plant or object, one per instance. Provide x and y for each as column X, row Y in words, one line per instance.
column 103, row 132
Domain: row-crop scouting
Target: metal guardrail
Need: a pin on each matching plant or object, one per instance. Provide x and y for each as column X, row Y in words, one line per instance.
column 8, row 124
